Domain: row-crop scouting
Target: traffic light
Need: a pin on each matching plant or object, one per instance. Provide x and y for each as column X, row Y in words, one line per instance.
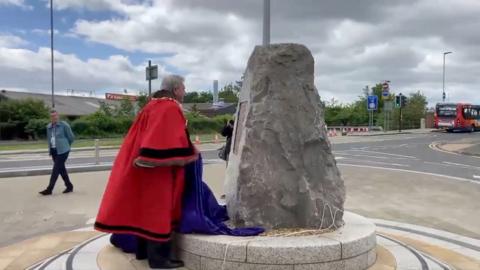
column 397, row 101
column 403, row 101
column 400, row 101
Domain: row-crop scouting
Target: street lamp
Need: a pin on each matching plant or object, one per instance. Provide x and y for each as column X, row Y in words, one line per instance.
column 443, row 95
column 51, row 53
column 266, row 22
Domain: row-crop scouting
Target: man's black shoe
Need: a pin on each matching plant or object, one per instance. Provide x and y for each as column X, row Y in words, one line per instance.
column 68, row 190
column 45, row 192
column 167, row 264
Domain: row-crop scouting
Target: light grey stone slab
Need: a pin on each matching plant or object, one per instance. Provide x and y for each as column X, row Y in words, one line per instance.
column 357, row 236
column 293, row 250
column 336, row 265
column 192, row 261
column 359, row 262
column 372, row 257
column 215, row 246
column 213, row 264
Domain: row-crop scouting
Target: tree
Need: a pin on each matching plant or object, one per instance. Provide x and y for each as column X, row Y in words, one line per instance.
column 198, row 97
column 229, row 92
column 190, row 97
column 125, row 108
column 105, row 108
column 16, row 114
column 415, row 109
column 142, row 100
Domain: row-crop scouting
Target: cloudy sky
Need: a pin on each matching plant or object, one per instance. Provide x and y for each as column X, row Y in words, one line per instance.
column 104, row 45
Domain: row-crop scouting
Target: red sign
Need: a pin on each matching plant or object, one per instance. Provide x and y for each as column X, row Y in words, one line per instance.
column 113, row 96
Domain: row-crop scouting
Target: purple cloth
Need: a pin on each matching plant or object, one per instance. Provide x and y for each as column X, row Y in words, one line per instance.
column 201, row 212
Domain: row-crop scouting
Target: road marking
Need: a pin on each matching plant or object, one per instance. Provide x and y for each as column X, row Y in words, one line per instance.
column 412, row 171
column 476, row 176
column 382, row 153
column 360, row 155
column 461, row 165
column 434, row 146
column 379, row 162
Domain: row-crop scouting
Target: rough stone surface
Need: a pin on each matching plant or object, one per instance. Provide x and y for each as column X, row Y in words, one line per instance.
column 213, row 264
column 357, row 236
column 338, row 265
column 214, row 246
column 293, row 250
column 281, row 172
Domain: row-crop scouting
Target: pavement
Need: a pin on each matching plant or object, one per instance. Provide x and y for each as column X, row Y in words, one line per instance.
column 375, row 193
column 35, row 228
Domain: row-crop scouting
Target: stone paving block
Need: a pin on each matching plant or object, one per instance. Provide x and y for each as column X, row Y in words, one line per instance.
column 4, row 262
column 357, row 235
column 372, row 257
column 191, row 261
column 293, row 250
column 213, row 264
column 111, row 258
column 214, row 246
column 336, row 265
column 357, row 263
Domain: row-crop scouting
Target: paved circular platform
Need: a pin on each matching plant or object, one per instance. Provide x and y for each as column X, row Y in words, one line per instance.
column 398, row 246
column 350, row 247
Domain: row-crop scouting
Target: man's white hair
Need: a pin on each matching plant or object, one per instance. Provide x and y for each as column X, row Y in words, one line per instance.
column 170, row 82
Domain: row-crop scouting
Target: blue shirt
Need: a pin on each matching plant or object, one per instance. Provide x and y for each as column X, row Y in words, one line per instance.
column 61, row 136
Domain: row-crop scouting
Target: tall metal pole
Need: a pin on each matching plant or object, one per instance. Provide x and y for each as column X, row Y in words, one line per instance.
column 149, row 78
column 443, row 94
column 266, row 22
column 51, row 52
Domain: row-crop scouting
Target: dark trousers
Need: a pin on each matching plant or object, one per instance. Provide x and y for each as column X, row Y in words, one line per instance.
column 59, row 169
column 156, row 252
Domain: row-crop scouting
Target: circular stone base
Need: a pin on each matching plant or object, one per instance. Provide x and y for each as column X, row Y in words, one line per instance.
column 350, row 247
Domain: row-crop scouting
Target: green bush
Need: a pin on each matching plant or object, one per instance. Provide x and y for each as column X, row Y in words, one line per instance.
column 37, row 128
column 7, row 131
column 198, row 124
column 80, row 127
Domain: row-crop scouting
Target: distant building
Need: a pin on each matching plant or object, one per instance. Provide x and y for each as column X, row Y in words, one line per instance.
column 75, row 106
column 70, row 106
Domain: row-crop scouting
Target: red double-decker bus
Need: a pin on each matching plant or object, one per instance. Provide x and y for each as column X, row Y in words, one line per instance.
column 457, row 116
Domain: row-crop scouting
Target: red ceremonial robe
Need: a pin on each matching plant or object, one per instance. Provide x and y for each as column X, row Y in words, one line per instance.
column 147, row 201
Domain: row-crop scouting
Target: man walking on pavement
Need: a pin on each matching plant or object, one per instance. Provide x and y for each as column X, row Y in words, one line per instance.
column 60, row 137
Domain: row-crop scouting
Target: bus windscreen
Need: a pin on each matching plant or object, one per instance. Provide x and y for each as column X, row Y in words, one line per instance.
column 446, row 110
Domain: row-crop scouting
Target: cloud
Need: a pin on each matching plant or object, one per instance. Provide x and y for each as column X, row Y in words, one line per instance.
column 11, row 41
column 19, row 3
column 26, row 69
column 45, row 32
column 354, row 43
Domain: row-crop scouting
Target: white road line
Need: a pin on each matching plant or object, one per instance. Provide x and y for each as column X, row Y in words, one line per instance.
column 379, row 162
column 461, row 165
column 411, row 171
column 377, row 157
column 387, row 154
column 476, row 176
column 434, row 147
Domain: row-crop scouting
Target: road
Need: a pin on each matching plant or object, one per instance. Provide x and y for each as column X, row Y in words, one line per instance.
column 15, row 162
column 412, row 153
column 407, row 152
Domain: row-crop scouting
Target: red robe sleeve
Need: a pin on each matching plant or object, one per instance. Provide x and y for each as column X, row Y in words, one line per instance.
column 165, row 140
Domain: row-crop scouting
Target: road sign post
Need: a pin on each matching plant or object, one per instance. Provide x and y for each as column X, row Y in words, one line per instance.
column 372, row 105
column 151, row 73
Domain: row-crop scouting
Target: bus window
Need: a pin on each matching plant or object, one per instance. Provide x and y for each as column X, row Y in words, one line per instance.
column 446, row 110
column 467, row 113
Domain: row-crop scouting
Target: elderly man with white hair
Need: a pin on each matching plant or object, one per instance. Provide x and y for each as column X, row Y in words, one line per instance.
column 143, row 196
